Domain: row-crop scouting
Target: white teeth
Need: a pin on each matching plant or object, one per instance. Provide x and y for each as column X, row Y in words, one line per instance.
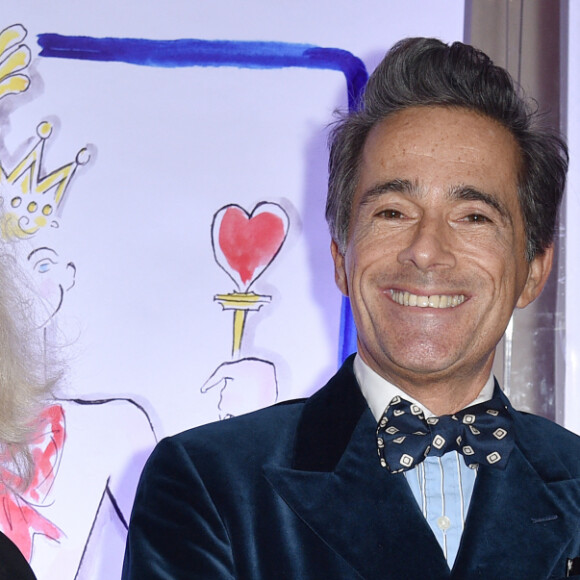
column 433, row 301
column 422, row 301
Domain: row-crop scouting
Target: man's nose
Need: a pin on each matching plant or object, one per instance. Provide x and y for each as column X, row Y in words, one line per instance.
column 430, row 245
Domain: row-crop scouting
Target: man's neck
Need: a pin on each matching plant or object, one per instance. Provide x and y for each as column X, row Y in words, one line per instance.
column 434, row 399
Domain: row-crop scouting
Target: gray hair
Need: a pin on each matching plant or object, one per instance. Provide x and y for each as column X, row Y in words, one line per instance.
column 426, row 72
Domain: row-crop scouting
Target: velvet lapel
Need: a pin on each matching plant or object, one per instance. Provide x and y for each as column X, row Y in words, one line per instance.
column 337, row 487
column 521, row 518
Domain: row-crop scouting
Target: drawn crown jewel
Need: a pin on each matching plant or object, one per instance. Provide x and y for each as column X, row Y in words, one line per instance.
column 30, row 201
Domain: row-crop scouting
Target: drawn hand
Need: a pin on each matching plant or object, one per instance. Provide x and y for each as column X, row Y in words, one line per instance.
column 244, row 386
column 14, row 57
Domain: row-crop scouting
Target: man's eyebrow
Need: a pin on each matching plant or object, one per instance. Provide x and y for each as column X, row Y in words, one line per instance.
column 468, row 193
column 394, row 185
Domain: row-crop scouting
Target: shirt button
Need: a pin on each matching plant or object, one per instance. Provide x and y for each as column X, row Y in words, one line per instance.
column 443, row 523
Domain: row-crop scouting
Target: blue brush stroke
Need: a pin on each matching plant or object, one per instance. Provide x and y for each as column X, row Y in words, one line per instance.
column 347, row 338
column 219, row 53
column 215, row 53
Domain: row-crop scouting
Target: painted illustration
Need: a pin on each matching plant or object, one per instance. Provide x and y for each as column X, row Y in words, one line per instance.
column 77, row 461
column 244, row 385
column 14, row 58
column 247, row 381
column 244, row 244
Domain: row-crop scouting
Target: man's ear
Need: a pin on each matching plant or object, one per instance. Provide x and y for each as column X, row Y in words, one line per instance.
column 339, row 268
column 538, row 273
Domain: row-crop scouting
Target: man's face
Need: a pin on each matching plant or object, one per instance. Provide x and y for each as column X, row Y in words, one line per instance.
column 435, row 262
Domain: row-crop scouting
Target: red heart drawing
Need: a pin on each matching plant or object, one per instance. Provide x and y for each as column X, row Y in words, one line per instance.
column 246, row 244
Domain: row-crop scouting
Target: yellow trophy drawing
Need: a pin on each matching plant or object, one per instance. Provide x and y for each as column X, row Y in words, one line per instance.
column 244, row 245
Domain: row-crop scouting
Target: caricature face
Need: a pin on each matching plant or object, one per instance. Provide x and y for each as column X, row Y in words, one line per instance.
column 51, row 278
column 435, row 264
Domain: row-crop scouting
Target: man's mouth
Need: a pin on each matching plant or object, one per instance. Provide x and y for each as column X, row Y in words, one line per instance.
column 433, row 301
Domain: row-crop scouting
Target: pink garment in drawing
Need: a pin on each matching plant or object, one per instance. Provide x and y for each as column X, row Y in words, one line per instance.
column 19, row 517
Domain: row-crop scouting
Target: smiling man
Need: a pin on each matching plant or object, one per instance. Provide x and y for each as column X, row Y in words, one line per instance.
column 410, row 463
column 434, row 262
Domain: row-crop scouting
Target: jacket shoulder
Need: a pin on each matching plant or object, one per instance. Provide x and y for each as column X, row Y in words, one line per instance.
column 547, row 444
column 308, row 434
column 244, row 439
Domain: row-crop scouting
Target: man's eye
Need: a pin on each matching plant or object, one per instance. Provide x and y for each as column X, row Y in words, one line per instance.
column 477, row 218
column 391, row 214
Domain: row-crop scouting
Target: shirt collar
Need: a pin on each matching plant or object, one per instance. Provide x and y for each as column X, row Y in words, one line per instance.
column 378, row 392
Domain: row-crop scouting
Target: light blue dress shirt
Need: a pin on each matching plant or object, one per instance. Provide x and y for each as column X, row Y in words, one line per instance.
column 442, row 486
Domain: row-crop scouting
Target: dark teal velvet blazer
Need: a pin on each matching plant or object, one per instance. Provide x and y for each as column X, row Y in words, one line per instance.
column 296, row 491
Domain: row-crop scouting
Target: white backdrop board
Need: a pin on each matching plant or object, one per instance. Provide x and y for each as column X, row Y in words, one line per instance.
column 199, row 193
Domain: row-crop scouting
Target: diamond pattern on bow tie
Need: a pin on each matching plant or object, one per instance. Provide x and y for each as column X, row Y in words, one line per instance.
column 481, row 433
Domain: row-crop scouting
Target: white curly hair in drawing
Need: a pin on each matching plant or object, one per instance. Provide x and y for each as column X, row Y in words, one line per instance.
column 26, row 385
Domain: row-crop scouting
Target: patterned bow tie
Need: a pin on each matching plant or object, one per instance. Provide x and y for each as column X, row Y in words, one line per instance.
column 481, row 433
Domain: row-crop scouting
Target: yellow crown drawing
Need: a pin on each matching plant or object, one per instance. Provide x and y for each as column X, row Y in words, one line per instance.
column 31, row 201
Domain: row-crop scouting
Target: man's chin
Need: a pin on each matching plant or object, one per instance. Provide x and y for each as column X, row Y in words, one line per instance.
column 420, row 365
